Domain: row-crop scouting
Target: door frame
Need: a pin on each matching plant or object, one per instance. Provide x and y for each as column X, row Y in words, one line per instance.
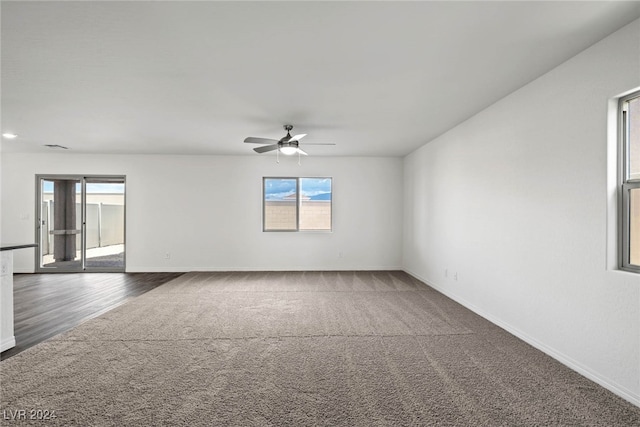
column 38, row 223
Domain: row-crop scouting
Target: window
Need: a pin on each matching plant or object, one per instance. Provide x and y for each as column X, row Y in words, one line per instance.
column 630, row 187
column 296, row 204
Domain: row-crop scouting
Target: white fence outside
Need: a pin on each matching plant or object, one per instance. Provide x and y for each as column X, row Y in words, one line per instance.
column 105, row 225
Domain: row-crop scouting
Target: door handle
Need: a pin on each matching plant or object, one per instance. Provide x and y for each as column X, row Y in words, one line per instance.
column 64, row 232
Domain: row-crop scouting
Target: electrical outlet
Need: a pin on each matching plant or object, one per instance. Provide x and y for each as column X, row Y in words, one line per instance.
column 167, row 255
column 455, row 276
column 446, row 272
column 340, row 254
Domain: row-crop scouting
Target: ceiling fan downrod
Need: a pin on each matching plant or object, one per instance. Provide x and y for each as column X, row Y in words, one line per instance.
column 287, row 137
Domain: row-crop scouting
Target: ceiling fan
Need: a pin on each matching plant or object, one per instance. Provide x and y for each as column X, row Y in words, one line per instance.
column 287, row 145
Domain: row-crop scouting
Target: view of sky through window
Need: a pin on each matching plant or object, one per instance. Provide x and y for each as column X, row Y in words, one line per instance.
column 311, row 188
column 109, row 188
column 634, row 138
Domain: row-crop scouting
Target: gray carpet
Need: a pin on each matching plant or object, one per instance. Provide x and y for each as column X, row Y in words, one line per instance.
column 319, row 348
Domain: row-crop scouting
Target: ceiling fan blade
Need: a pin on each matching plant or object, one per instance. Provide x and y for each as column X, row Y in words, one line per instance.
column 298, row 137
column 319, row 143
column 255, row 140
column 301, row 151
column 266, row 148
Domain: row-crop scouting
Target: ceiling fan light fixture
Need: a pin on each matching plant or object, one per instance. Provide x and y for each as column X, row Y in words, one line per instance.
column 288, row 150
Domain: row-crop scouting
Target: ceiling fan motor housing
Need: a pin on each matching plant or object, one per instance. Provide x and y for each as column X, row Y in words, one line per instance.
column 283, row 143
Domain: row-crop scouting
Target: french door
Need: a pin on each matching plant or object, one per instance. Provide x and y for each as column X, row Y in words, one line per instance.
column 80, row 223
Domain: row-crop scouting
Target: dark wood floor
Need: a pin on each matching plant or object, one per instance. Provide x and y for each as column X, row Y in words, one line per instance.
column 48, row 304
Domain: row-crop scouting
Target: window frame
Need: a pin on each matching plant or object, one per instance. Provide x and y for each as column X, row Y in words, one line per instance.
column 298, row 180
column 625, row 184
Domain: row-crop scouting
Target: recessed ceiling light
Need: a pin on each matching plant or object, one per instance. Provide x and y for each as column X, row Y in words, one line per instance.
column 9, row 135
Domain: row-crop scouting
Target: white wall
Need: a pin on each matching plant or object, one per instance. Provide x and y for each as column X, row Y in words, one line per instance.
column 213, row 221
column 515, row 201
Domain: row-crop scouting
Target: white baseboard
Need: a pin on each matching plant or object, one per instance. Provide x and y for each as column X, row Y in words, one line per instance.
column 156, row 269
column 250, row 269
column 8, row 343
column 623, row 392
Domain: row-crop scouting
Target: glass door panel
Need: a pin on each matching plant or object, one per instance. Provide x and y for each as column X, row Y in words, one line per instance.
column 60, row 224
column 104, row 223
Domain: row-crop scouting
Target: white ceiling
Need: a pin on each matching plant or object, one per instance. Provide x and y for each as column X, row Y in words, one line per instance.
column 376, row 78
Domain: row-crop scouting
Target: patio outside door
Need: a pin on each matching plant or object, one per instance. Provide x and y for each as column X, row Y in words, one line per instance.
column 80, row 223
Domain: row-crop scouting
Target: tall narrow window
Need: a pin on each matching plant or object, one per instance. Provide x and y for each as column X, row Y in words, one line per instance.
column 280, row 204
column 315, row 204
column 630, row 154
column 297, row 204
